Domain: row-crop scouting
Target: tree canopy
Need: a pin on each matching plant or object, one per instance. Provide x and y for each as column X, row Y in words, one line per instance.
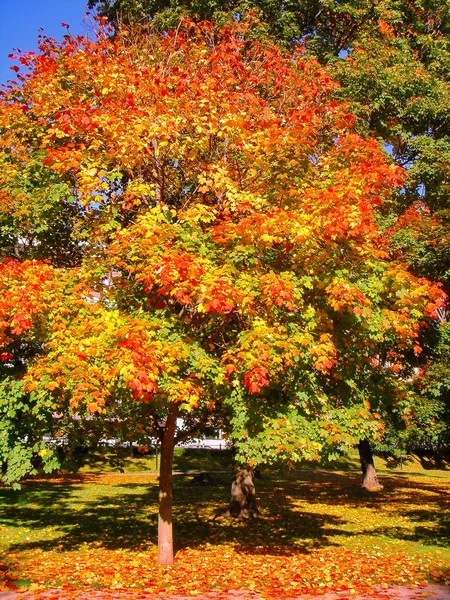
column 391, row 59
column 190, row 222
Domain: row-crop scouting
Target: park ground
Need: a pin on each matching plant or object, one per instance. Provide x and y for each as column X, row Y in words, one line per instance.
column 93, row 534
column 429, row 592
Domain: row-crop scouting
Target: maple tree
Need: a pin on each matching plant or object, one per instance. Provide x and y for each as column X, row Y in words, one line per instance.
column 421, row 237
column 396, row 77
column 391, row 59
column 217, row 248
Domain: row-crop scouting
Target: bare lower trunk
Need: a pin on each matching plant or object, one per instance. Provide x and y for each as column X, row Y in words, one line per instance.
column 370, row 477
column 165, row 538
column 243, row 495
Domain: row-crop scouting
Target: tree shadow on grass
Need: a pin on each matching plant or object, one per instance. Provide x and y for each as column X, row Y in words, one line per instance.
column 435, row 534
column 342, row 488
column 68, row 516
column 401, row 495
column 192, row 459
column 282, row 528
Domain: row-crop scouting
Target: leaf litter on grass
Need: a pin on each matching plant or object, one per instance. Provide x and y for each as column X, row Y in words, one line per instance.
column 319, row 533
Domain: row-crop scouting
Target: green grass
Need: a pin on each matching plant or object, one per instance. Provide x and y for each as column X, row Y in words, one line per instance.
column 197, row 459
column 185, row 459
column 319, row 530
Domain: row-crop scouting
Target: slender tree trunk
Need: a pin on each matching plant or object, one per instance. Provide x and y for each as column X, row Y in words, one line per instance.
column 243, row 495
column 165, row 536
column 370, row 477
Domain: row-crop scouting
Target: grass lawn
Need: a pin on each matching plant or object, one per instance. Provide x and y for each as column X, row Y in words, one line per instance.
column 319, row 532
column 185, row 459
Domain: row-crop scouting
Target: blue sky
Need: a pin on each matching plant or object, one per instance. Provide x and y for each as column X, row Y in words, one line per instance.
column 20, row 21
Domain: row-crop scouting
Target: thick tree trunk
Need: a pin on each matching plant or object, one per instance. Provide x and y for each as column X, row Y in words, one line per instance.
column 370, row 477
column 165, row 537
column 243, row 495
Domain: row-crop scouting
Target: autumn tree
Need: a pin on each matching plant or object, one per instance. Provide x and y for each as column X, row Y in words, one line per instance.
column 391, row 59
column 395, row 75
column 192, row 224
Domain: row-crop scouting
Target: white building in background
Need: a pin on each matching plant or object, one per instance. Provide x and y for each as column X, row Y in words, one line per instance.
column 214, row 441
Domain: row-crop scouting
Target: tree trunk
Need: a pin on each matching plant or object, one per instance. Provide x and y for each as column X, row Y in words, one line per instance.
column 165, row 537
column 370, row 477
column 243, row 496
column 159, row 189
